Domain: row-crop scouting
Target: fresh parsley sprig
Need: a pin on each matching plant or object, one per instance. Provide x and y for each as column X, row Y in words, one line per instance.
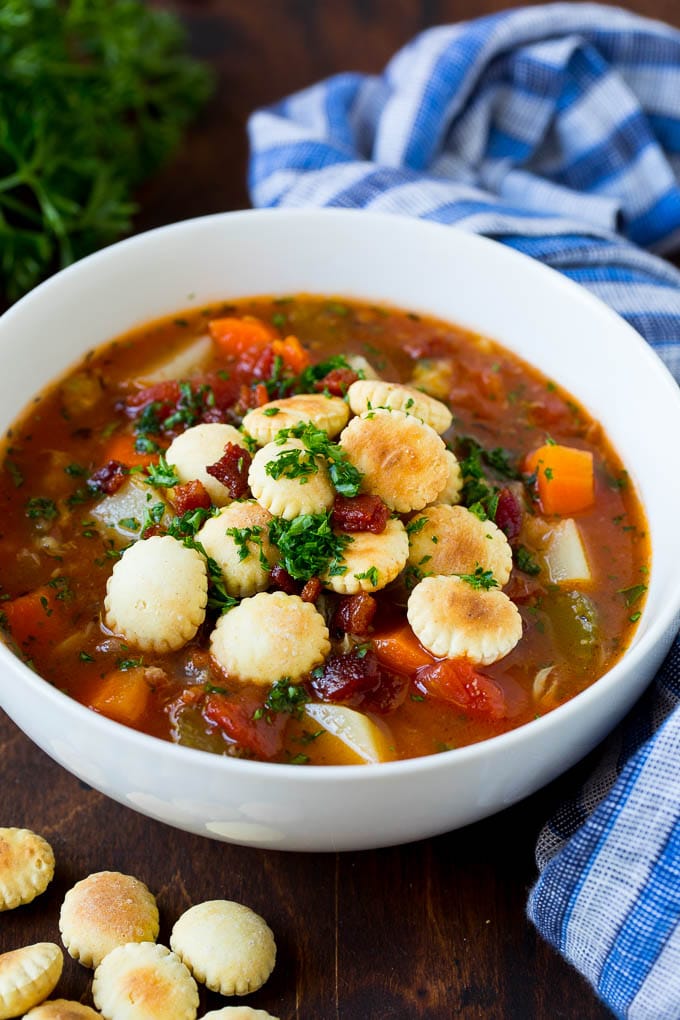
column 95, row 97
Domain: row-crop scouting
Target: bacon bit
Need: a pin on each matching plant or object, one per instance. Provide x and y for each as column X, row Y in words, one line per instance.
column 164, row 393
column 347, row 678
column 109, row 478
column 311, row 590
column 360, row 513
column 509, row 514
column 281, row 579
column 522, row 588
column 190, row 496
column 389, row 694
column 336, row 382
column 354, row 613
column 232, row 470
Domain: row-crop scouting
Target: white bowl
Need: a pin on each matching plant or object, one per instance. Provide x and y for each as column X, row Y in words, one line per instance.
column 542, row 316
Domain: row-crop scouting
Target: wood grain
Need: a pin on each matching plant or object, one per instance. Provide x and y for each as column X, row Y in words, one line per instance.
column 434, row 929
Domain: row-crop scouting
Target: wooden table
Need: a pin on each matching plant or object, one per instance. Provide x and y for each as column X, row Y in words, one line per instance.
column 434, row 929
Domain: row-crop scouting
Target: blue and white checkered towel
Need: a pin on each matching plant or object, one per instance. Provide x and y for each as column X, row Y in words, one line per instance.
column 556, row 130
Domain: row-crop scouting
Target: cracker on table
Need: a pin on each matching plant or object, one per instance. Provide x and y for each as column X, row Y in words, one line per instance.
column 26, row 866
column 238, row 1013
column 225, row 945
column 144, row 981
column 105, row 910
column 27, row 976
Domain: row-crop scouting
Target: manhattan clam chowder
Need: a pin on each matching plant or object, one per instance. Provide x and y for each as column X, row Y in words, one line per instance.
column 315, row 531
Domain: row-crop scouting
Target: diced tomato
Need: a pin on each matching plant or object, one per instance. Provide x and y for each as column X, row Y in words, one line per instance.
column 262, row 737
column 458, row 681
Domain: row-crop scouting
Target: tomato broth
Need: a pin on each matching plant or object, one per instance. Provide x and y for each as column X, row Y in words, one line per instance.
column 579, row 562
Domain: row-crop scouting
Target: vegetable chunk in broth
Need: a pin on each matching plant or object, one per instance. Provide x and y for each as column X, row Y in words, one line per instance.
column 316, row 531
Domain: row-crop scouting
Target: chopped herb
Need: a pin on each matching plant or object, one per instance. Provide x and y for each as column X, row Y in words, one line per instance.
column 632, row 594
column 213, row 689
column 299, row 759
column 129, row 523
column 634, row 617
column 85, row 657
column 62, row 588
column 306, row 381
column 190, row 406
column 75, row 470
column 81, row 495
column 417, row 697
column 549, row 474
column 335, row 308
column 41, row 508
column 416, row 525
column 279, row 320
column 14, row 473
column 481, row 579
column 308, row 545
column 125, row 664
column 190, row 522
column 145, row 445
column 153, row 515
column 270, row 412
column 525, row 561
column 162, row 475
column 345, row 477
column 372, row 575
column 283, row 696
column 242, row 536
column 306, row 737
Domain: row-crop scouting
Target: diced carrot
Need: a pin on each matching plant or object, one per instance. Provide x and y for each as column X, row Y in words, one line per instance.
column 564, row 477
column 400, row 650
column 37, row 616
column 122, row 449
column 292, row 353
column 122, row 695
column 238, row 336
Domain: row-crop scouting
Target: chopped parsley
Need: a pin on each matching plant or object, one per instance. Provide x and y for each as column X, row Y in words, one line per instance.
column 416, row 525
column 41, row 508
column 271, row 412
column 283, row 696
column 190, row 522
column 125, row 664
column 345, row 477
column 162, row 475
column 632, row 594
column 308, row 545
column 372, row 575
column 481, row 579
column 242, row 536
column 525, row 561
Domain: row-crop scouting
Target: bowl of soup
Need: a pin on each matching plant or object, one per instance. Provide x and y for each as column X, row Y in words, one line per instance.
column 328, row 530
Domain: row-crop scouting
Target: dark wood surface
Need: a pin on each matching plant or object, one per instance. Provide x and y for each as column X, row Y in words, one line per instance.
column 434, row 929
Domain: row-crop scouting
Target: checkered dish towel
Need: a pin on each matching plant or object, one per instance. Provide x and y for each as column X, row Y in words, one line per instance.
column 555, row 130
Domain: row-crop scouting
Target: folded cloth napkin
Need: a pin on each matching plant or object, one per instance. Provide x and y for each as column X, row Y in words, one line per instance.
column 555, row 130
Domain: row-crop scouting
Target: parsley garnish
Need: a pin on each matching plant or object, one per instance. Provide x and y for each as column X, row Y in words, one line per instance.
column 525, row 561
column 242, row 536
column 125, row 664
column 190, row 522
column 40, row 508
column 481, row 579
column 372, row 575
column 14, row 473
column 632, row 594
column 308, row 545
column 161, row 475
column 95, row 96
column 284, row 696
column 345, row 477
column 416, row 525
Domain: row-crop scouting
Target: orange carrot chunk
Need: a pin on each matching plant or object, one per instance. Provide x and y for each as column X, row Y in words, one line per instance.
column 122, row 695
column 122, row 449
column 37, row 616
column 399, row 649
column 292, row 353
column 239, row 336
column 564, row 478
